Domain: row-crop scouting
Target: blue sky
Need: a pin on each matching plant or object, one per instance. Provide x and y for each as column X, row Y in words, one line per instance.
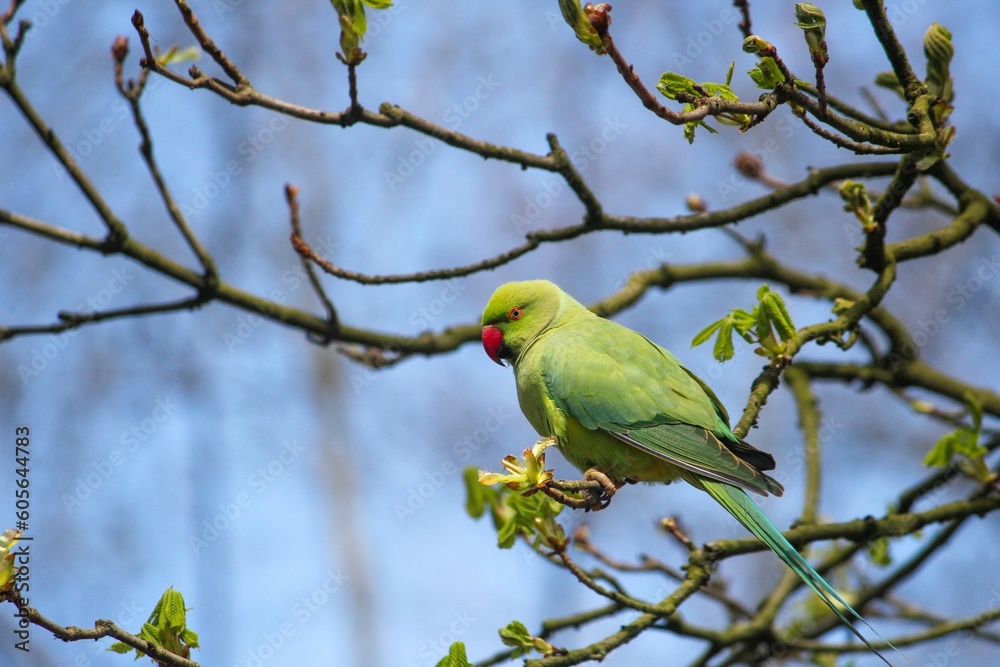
column 309, row 508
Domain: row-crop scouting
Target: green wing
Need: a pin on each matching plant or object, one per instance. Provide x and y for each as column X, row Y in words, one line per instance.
column 611, row 378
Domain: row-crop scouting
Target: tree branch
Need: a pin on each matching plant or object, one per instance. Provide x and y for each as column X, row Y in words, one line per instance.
column 101, row 629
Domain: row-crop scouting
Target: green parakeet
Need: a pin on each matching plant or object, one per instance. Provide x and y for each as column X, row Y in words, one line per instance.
column 624, row 409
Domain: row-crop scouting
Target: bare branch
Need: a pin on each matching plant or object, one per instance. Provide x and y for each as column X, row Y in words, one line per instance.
column 292, row 197
column 209, row 46
column 809, row 422
column 132, row 95
column 912, row 85
column 72, row 320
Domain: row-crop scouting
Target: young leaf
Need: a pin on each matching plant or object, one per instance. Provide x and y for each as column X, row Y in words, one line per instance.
column 8, row 539
column 475, row 493
column 810, row 18
column 175, row 54
column 857, row 201
column 890, row 81
column 507, row 534
column 724, row 350
column 774, row 306
column 705, row 333
column 166, row 627
column 172, row 610
column 754, row 44
column 580, row 22
column 940, row 454
column 939, row 51
column 744, row 322
column 516, row 636
column 456, row 657
column 672, row 83
column 878, row 551
column 758, row 327
column 350, row 39
column 766, row 74
column 689, row 128
column 354, row 12
column 120, row 647
column 962, row 442
column 190, row 638
column 720, row 90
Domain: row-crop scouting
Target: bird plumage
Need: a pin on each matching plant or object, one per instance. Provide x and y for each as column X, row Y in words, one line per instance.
column 620, row 403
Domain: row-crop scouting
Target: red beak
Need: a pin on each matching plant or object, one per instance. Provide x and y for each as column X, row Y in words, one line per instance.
column 493, row 343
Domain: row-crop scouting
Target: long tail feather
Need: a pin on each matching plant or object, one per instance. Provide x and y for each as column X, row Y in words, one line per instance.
column 739, row 504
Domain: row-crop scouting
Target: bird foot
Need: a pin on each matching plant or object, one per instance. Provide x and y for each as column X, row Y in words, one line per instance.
column 609, row 486
column 596, row 489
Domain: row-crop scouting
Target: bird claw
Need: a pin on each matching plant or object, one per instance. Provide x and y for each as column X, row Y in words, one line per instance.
column 609, row 486
column 596, row 490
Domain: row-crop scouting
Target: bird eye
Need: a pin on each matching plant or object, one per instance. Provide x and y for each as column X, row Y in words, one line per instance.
column 515, row 313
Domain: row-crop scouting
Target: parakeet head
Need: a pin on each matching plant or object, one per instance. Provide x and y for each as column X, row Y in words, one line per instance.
column 516, row 314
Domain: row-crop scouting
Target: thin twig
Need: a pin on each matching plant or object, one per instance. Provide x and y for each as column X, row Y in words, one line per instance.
column 880, row 114
column 594, row 212
column 746, row 27
column 697, row 575
column 72, row 320
column 809, row 422
column 844, row 142
column 132, row 94
column 650, row 564
column 864, row 530
column 910, row 611
column 209, row 46
column 292, row 197
column 906, row 140
column 8, row 15
column 939, row 630
column 552, row 626
column 117, row 232
column 352, row 90
column 912, row 86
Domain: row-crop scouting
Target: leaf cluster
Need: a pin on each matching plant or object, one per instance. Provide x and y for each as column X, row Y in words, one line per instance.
column 963, row 444
column 516, row 635
column 354, row 25
column 673, row 85
column 769, row 325
column 857, row 201
column 529, row 515
column 166, row 628
column 8, row 539
column 456, row 657
column 579, row 18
